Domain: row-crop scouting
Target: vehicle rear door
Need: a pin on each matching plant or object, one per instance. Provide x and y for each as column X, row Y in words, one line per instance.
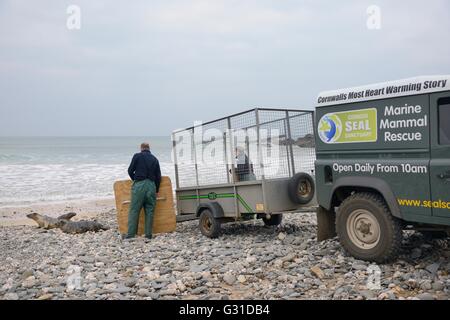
column 440, row 154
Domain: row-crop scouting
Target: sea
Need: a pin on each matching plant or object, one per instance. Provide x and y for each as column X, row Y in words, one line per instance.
column 43, row 169
column 36, row 170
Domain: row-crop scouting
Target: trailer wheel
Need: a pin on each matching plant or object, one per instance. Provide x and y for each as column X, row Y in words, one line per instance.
column 209, row 226
column 301, row 188
column 367, row 229
column 274, row 220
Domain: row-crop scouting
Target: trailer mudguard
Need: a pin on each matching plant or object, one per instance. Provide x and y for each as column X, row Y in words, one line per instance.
column 214, row 207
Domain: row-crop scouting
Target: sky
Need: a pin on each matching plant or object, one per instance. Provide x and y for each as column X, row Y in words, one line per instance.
column 144, row 67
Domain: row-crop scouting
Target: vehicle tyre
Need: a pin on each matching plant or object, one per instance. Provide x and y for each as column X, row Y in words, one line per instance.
column 209, row 226
column 367, row 229
column 301, row 188
column 275, row 220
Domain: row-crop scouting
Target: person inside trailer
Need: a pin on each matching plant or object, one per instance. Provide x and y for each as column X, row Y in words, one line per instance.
column 243, row 166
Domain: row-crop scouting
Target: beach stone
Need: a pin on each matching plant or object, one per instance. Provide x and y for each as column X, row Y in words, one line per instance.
column 143, row 293
column 154, row 295
column 130, row 282
column 168, row 292
column 198, row 268
column 164, row 271
column 359, row 266
column 425, row 285
column 241, row 278
column 317, row 271
column 110, row 287
column 86, row 259
column 181, row 286
column 438, row 286
column 11, row 296
column 122, row 289
column 9, row 283
column 387, row 295
column 288, row 258
column 47, row 296
column 368, row 294
column 281, row 236
column 29, row 282
column 412, row 283
column 433, row 268
column 199, row 290
column 229, row 279
column 91, row 276
column 251, row 260
column 56, row 290
column 91, row 293
column 278, row 263
column 153, row 275
column 27, row 273
column 172, row 285
column 425, row 296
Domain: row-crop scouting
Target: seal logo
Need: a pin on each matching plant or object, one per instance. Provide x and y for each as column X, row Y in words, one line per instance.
column 330, row 128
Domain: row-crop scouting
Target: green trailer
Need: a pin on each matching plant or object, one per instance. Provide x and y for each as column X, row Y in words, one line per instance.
column 254, row 164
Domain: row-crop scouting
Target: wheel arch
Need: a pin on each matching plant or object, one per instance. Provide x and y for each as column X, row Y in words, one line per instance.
column 215, row 208
column 345, row 186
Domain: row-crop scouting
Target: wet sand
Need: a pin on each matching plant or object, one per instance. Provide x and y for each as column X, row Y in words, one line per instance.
column 85, row 209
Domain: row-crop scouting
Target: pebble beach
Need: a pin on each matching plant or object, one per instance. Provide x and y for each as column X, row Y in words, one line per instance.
column 248, row 261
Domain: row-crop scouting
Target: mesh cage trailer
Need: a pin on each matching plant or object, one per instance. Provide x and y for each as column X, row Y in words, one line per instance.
column 254, row 164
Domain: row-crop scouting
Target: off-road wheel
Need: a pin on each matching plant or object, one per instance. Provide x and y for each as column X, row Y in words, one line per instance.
column 301, row 188
column 209, row 226
column 367, row 229
column 274, row 220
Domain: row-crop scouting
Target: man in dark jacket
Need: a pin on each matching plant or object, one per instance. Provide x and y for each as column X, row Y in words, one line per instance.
column 145, row 172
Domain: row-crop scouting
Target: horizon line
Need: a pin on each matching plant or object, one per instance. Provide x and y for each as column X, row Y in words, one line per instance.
column 81, row 136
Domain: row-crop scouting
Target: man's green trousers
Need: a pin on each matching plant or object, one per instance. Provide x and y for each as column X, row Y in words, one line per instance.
column 143, row 194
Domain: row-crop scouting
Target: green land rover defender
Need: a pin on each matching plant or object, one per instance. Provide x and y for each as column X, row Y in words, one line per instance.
column 383, row 164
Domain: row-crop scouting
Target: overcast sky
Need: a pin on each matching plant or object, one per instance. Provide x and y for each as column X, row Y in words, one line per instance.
column 148, row 67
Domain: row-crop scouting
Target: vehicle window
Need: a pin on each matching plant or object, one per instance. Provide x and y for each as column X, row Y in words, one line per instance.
column 444, row 121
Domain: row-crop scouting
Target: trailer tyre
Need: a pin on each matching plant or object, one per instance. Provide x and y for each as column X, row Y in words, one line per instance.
column 209, row 226
column 367, row 229
column 274, row 220
column 301, row 188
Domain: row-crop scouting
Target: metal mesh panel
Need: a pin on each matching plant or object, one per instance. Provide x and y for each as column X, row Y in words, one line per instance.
column 286, row 141
column 267, row 116
column 185, row 158
column 244, row 135
column 211, row 154
column 243, row 120
column 302, row 138
column 274, row 154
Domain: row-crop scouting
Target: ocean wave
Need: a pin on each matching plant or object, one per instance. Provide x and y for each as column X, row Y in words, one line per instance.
column 30, row 183
column 15, row 158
